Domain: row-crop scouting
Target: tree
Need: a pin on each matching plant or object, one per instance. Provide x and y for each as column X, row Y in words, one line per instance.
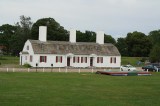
column 54, row 30
column 122, row 46
column 6, row 32
column 80, row 36
column 154, row 36
column 138, row 44
column 22, row 34
column 154, row 55
column 90, row 36
column 109, row 39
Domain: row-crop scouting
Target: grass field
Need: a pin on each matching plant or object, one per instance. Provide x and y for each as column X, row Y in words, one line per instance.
column 131, row 60
column 73, row 89
column 9, row 61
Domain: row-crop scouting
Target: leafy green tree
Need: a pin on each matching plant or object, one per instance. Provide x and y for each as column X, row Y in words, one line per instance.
column 54, row 30
column 6, row 32
column 109, row 39
column 122, row 46
column 22, row 34
column 90, row 36
column 138, row 44
column 154, row 55
column 80, row 36
column 154, row 36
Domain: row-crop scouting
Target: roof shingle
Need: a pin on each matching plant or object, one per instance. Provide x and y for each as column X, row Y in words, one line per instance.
column 78, row 48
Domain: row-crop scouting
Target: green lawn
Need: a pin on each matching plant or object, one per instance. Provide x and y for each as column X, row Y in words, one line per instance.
column 131, row 60
column 9, row 61
column 73, row 89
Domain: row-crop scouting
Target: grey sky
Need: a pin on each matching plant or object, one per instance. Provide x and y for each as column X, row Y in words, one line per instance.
column 114, row 17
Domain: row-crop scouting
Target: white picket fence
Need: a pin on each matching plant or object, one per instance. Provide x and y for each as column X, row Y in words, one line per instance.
column 66, row 70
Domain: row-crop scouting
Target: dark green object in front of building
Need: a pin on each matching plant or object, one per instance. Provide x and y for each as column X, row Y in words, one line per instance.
column 134, row 73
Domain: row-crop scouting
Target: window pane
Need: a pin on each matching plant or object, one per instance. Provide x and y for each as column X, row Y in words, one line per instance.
column 111, row 60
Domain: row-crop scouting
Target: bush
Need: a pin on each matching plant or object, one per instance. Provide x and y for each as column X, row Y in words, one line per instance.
column 27, row 65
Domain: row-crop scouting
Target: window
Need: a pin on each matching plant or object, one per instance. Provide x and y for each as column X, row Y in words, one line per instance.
column 99, row 59
column 43, row 58
column 81, row 59
column 27, row 47
column 86, row 59
column 113, row 60
column 75, row 59
column 31, row 58
column 78, row 60
column 58, row 59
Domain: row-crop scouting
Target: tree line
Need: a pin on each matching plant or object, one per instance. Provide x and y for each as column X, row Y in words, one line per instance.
column 135, row 44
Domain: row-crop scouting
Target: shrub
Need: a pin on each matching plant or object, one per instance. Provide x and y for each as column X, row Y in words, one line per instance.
column 27, row 65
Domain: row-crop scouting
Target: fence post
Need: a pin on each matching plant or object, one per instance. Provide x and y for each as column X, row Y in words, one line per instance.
column 52, row 69
column 13, row 69
column 157, row 69
column 7, row 69
column 92, row 70
column 28, row 69
column 147, row 70
column 59, row 69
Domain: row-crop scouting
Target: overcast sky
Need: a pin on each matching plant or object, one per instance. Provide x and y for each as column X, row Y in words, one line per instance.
column 114, row 17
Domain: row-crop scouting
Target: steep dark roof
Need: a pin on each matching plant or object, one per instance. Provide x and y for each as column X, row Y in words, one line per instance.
column 79, row 48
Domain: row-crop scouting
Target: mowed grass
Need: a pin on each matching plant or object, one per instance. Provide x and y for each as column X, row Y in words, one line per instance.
column 131, row 60
column 9, row 61
column 78, row 89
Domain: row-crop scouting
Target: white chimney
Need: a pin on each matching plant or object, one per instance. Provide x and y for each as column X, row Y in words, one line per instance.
column 72, row 37
column 100, row 37
column 43, row 33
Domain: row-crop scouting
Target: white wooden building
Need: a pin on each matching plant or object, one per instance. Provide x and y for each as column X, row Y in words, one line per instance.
column 45, row 53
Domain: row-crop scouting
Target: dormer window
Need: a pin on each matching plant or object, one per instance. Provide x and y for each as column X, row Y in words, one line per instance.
column 27, row 47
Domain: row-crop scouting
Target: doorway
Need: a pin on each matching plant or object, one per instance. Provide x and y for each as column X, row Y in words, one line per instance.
column 68, row 61
column 91, row 61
